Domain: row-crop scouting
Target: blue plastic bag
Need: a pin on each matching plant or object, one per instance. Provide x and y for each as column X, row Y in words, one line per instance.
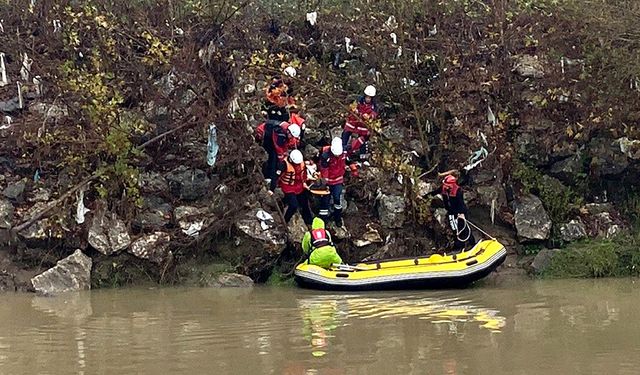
column 212, row 145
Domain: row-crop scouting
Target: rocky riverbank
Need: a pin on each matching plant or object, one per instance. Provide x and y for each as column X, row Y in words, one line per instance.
column 108, row 177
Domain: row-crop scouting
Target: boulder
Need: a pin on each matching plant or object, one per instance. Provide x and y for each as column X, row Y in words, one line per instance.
column 606, row 158
column 108, row 233
column 602, row 220
column 297, row 228
column 53, row 111
column 156, row 113
column 11, row 105
column 531, row 219
column 153, row 183
column 573, row 231
column 369, row 237
column 154, row 247
column 528, row 66
column 630, row 148
column 15, row 192
column 231, row 280
column 41, row 231
column 543, row 259
column 391, row 211
column 188, row 184
column 487, row 194
column 265, row 231
column 39, row 195
column 191, row 219
column 531, row 150
column 155, row 214
column 566, row 170
column 72, row 273
column 6, row 214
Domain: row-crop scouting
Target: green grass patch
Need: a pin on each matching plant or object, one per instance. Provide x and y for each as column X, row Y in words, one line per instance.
column 617, row 257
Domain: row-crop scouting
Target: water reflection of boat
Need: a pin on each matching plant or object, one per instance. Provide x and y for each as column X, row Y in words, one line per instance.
column 322, row 315
column 435, row 271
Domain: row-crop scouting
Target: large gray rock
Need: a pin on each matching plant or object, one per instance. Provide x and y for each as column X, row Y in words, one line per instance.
column 231, row 280
column 573, row 230
column 10, row 105
column 72, row 273
column 606, row 158
column 543, row 259
column 108, row 233
column 489, row 194
column 15, row 191
column 528, row 66
column 154, row 247
column 531, row 219
column 391, row 211
column 53, row 111
column 152, row 183
column 603, row 220
column 267, row 232
column 629, row 147
column 155, row 214
column 188, row 184
column 566, row 170
column 6, row 214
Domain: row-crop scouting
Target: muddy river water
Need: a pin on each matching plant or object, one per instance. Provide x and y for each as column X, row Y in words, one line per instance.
column 530, row 327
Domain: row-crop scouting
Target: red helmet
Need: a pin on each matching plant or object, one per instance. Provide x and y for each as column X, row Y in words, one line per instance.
column 449, row 180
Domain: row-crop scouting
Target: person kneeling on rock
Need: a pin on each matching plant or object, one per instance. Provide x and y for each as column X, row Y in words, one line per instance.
column 318, row 247
column 292, row 180
column 452, row 197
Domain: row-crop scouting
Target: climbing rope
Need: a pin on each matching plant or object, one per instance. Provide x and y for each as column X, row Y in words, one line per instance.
column 464, row 227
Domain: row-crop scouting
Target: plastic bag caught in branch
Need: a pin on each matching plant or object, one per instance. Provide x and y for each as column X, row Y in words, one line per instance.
column 347, row 43
column 312, row 18
column 81, row 210
column 212, row 145
column 3, row 71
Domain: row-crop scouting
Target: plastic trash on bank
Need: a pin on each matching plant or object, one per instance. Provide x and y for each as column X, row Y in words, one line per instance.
column 212, row 145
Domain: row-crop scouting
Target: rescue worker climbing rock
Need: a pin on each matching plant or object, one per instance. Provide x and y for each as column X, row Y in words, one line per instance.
column 292, row 180
column 332, row 169
column 285, row 139
column 453, row 199
column 365, row 109
column 268, row 136
column 319, row 248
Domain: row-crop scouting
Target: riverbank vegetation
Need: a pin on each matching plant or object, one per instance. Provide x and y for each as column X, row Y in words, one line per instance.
column 118, row 98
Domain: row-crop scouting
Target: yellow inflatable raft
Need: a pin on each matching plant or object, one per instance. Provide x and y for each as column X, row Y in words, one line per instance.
column 435, row 271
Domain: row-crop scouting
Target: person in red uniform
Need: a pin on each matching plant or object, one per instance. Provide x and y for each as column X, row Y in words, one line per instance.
column 292, row 180
column 366, row 109
column 287, row 138
column 332, row 164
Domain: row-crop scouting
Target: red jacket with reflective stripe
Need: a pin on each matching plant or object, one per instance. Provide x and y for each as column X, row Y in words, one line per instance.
column 283, row 141
column 332, row 167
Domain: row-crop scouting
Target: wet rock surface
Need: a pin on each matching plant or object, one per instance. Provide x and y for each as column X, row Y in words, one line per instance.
column 108, row 233
column 531, row 219
column 70, row 274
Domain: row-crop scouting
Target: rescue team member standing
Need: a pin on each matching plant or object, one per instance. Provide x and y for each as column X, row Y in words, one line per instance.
column 292, row 180
column 365, row 109
column 333, row 161
column 452, row 197
column 286, row 139
column 318, row 247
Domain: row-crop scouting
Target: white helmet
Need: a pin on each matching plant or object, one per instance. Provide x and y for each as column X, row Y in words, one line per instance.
column 370, row 91
column 290, row 71
column 336, row 146
column 294, row 129
column 296, row 157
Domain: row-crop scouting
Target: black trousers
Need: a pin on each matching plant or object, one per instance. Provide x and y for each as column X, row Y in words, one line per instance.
column 295, row 201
